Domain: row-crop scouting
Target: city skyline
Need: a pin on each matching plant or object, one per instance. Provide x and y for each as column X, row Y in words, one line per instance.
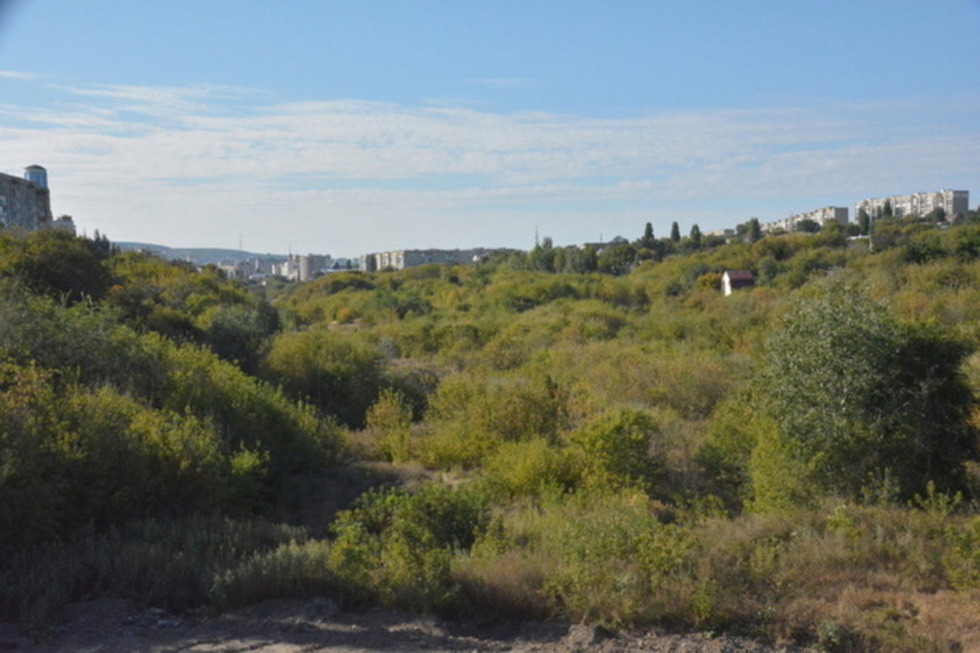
column 317, row 126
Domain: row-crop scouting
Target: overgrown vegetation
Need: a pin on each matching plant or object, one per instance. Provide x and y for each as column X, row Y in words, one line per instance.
column 603, row 435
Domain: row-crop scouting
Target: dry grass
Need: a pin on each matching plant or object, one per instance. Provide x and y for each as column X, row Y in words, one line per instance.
column 510, row 585
column 848, row 579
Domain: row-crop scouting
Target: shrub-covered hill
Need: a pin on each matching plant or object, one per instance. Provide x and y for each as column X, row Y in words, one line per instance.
column 606, row 437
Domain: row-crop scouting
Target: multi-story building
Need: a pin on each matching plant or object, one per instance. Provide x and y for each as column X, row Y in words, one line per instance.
column 305, row 268
column 410, row 258
column 950, row 201
column 250, row 268
column 313, row 265
column 822, row 217
column 25, row 203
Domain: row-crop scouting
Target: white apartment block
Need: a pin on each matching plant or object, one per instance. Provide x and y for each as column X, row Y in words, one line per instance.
column 822, row 217
column 410, row 258
column 950, row 201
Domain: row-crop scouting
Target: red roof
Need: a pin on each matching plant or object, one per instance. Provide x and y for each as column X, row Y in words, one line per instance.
column 739, row 275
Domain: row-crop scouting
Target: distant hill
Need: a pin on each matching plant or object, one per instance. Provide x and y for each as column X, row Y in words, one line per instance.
column 197, row 255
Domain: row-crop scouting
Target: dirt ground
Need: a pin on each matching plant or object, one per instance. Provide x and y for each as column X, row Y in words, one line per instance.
column 113, row 626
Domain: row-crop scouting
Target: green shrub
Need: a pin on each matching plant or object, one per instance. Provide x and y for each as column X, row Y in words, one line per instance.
column 396, row 548
column 75, row 458
column 171, row 564
column 55, row 263
column 725, row 454
column 600, row 577
column 390, row 418
column 532, row 467
column 293, row 570
column 334, row 372
column 616, row 449
column 246, row 412
column 962, row 559
column 472, row 413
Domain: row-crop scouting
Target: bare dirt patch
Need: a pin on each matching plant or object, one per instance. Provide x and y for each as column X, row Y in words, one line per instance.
column 289, row 626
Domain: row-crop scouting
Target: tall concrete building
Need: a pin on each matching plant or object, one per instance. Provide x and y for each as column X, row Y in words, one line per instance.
column 25, row 203
column 950, row 201
column 822, row 217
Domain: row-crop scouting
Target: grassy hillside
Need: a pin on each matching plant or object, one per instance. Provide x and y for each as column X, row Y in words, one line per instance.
column 601, row 435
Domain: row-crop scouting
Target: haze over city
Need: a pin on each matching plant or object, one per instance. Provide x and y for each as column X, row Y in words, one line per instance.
column 346, row 128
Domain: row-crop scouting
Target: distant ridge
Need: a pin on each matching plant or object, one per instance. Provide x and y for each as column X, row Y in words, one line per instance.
column 196, row 255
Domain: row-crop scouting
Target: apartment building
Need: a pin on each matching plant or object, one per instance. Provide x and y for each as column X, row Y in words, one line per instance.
column 950, row 201
column 410, row 258
column 822, row 217
column 25, row 203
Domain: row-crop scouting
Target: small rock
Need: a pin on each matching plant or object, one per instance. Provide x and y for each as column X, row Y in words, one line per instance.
column 586, row 638
column 320, row 607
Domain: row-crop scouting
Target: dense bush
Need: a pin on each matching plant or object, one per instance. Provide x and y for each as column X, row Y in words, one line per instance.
column 335, row 372
column 473, row 413
column 248, row 414
column 190, row 306
column 396, row 548
column 55, row 263
column 860, row 400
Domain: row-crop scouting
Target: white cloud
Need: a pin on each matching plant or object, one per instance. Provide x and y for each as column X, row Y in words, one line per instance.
column 14, row 74
column 182, row 164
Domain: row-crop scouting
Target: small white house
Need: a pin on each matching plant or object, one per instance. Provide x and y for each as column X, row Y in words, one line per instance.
column 732, row 280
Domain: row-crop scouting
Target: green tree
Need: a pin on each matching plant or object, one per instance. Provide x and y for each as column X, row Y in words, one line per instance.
column 858, row 398
column 542, row 257
column 648, row 247
column 575, row 260
column 807, row 226
column 618, row 258
column 55, row 263
column 696, row 236
column 864, row 222
column 648, row 240
column 755, row 230
column 237, row 332
column 675, row 232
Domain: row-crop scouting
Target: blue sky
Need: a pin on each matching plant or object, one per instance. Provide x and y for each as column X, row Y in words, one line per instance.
column 347, row 127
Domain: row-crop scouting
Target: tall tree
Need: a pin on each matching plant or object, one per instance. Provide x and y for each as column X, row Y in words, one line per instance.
column 864, row 222
column 648, row 241
column 755, row 230
column 542, row 257
column 886, row 210
column 696, row 236
column 617, row 259
column 675, row 232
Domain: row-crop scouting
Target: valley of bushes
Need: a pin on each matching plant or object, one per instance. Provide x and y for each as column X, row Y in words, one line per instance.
column 564, row 434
